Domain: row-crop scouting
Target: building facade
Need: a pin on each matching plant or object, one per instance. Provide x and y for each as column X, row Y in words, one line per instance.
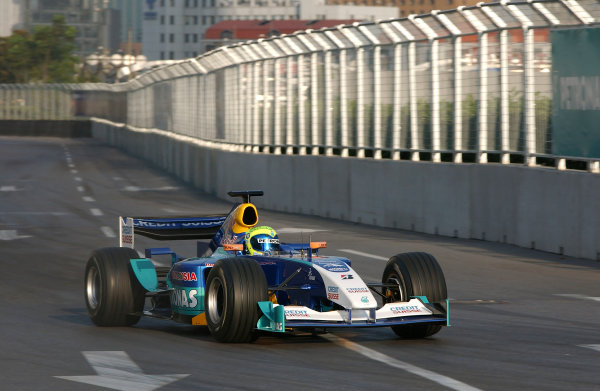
column 12, row 12
column 411, row 7
column 174, row 29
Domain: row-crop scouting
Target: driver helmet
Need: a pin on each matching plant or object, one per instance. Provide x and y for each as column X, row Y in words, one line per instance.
column 261, row 241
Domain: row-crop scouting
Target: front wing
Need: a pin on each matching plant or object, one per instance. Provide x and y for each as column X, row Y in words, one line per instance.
column 278, row 318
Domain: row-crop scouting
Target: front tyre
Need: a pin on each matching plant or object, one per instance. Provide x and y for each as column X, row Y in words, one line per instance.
column 415, row 274
column 233, row 289
column 113, row 295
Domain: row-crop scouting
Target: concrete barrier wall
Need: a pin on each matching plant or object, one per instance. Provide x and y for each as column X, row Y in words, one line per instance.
column 545, row 209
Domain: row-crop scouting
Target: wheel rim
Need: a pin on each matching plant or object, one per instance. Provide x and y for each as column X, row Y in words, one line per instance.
column 93, row 288
column 394, row 279
column 216, row 300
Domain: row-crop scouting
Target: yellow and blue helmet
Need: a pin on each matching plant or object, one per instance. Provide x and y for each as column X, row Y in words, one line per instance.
column 261, row 241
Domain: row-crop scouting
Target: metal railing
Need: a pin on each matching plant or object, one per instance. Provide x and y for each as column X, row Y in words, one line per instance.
column 465, row 85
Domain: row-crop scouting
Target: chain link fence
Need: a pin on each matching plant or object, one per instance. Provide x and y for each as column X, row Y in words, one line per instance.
column 466, row 85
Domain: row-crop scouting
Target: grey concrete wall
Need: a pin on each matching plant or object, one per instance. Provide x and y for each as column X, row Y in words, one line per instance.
column 546, row 209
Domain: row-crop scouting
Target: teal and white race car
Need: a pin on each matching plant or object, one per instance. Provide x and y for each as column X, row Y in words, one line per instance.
column 246, row 282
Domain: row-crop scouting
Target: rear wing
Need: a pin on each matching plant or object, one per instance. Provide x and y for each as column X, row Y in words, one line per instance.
column 168, row 228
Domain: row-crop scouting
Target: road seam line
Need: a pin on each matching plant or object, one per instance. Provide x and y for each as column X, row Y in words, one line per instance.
column 96, row 212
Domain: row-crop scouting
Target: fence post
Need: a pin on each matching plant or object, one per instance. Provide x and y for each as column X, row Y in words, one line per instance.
column 301, row 108
column 344, row 103
column 377, row 131
column 290, row 107
column 277, row 107
column 504, row 98
column 314, row 104
column 412, row 88
column 528, row 81
column 328, row 105
column 482, row 111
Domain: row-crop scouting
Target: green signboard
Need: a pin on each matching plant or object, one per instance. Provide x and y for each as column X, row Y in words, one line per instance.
column 576, row 92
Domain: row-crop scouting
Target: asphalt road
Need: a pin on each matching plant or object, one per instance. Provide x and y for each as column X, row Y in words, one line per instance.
column 521, row 319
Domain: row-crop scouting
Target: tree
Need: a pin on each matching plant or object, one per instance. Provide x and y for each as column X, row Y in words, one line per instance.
column 46, row 56
column 20, row 56
column 53, row 56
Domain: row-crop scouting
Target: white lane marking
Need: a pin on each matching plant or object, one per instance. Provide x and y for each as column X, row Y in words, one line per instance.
column 594, row 347
column 367, row 255
column 108, row 232
column 9, row 188
column 74, row 171
column 576, row 296
column 115, row 370
column 80, row 188
column 298, row 230
column 88, row 199
column 11, row 234
column 96, row 212
column 117, row 178
column 392, row 362
column 136, row 188
column 178, row 211
column 78, row 179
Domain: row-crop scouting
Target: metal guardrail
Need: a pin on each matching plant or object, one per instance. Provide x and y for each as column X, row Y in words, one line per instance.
column 465, row 85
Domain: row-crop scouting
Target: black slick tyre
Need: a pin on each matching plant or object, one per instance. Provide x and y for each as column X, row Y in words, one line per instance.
column 233, row 288
column 416, row 274
column 113, row 295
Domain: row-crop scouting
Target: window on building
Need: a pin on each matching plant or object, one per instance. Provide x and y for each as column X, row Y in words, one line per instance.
column 203, row 19
column 187, row 3
column 162, row 55
column 171, row 55
column 226, row 34
column 162, row 4
column 203, row 3
column 162, row 37
column 171, row 38
column 162, row 19
column 195, row 3
column 211, row 20
column 450, row 1
column 212, row 3
column 421, row 1
column 195, row 18
column 195, row 54
column 172, row 3
column 172, row 19
column 195, row 38
column 186, row 38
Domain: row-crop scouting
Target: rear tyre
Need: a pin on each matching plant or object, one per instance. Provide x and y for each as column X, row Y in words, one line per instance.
column 233, row 289
column 113, row 295
column 416, row 274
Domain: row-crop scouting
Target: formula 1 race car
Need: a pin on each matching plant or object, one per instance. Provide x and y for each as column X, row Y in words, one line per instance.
column 246, row 282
